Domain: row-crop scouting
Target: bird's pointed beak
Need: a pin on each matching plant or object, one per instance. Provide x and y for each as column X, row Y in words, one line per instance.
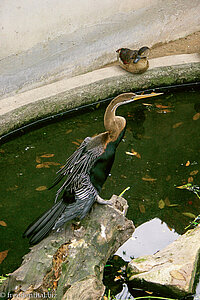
column 138, row 97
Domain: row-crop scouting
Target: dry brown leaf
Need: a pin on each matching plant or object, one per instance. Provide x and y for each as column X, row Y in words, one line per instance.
column 68, row 131
column 164, row 111
column 168, row 178
column 196, row 116
column 46, row 164
column 3, row 255
column 41, row 188
column 162, row 106
column 177, row 275
column 190, row 179
column 79, row 140
column 75, row 143
column 2, row 151
column 38, row 160
column 2, row 223
column 142, row 208
column 161, row 204
column 177, row 124
column 47, row 155
column 167, row 202
column 193, row 173
column 148, row 178
column 117, row 278
column 43, row 165
column 187, row 163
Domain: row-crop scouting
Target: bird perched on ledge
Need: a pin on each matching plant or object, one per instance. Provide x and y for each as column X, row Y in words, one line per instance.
column 134, row 61
column 84, row 173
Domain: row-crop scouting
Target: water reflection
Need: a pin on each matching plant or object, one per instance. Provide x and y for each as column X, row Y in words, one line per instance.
column 147, row 239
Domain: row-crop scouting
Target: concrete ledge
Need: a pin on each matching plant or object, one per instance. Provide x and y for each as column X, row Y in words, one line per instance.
column 66, row 94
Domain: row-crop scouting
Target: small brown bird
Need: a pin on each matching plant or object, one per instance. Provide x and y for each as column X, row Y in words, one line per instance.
column 134, row 61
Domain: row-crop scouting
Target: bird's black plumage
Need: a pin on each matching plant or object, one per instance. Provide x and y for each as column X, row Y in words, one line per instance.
column 83, row 174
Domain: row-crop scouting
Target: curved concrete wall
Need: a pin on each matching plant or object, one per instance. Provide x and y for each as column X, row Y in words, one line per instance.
column 43, row 41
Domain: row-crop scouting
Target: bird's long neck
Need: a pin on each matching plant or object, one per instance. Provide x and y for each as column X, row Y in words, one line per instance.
column 114, row 124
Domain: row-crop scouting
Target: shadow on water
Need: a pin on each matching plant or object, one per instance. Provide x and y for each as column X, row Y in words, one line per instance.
column 160, row 150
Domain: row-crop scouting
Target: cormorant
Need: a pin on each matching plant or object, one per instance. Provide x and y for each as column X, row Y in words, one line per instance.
column 84, row 173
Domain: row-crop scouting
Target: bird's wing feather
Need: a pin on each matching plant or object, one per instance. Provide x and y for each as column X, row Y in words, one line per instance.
column 85, row 196
column 78, row 164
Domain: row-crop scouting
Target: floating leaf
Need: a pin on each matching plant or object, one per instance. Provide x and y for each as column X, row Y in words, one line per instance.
column 3, row 255
column 168, row 178
column 12, row 188
column 148, row 178
column 2, row 151
column 68, row 131
column 190, row 179
column 41, row 188
column 190, row 215
column 2, row 223
column 167, row 202
column 142, row 208
column 196, row 116
column 193, row 173
column 134, row 153
column 177, row 275
column 173, row 205
column 164, row 111
column 38, row 160
column 75, row 143
column 187, row 163
column 47, row 164
column 177, row 124
column 40, row 166
column 47, row 155
column 161, row 204
column 162, row 106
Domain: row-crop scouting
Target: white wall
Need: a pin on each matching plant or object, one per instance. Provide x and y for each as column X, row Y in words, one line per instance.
column 45, row 40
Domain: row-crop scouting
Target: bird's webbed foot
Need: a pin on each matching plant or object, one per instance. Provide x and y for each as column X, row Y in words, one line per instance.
column 102, row 201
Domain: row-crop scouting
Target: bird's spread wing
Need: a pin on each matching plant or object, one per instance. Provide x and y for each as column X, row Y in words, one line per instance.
column 85, row 196
column 78, row 166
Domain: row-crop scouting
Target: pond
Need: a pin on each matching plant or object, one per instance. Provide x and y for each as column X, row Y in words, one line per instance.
column 160, row 151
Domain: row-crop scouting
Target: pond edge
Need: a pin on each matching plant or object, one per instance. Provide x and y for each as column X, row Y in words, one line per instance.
column 66, row 94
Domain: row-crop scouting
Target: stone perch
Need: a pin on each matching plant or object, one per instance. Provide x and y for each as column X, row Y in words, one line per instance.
column 171, row 270
column 69, row 264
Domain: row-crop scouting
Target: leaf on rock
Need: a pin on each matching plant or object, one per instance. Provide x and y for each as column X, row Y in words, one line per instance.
column 3, row 255
column 2, row 223
column 177, row 275
column 41, row 188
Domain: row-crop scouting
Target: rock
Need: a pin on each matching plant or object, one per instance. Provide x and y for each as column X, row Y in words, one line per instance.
column 69, row 264
column 171, row 270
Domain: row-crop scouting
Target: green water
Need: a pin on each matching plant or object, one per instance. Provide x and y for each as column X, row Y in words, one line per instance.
column 165, row 135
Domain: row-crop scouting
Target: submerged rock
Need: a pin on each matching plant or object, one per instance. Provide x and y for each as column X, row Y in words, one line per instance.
column 171, row 270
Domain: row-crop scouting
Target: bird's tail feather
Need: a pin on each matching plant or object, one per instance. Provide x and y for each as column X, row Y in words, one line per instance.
column 39, row 229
